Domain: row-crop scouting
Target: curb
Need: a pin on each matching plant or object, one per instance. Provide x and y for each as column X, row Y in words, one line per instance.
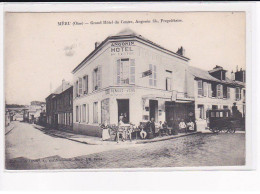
column 137, row 142
column 9, row 130
column 172, row 137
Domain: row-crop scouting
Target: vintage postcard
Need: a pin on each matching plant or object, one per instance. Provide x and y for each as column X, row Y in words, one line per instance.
column 125, row 90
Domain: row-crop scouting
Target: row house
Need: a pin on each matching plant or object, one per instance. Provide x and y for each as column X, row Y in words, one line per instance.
column 214, row 90
column 59, row 107
column 130, row 75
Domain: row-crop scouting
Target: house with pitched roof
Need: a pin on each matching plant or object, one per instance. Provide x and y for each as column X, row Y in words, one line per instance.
column 214, row 90
column 59, row 107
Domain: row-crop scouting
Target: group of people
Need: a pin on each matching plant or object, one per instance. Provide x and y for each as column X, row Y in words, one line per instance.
column 148, row 130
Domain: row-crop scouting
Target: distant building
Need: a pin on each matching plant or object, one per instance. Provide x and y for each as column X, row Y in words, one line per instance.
column 59, row 107
column 7, row 118
column 214, row 90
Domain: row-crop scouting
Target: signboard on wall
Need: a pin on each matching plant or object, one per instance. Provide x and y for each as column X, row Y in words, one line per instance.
column 122, row 48
column 120, row 91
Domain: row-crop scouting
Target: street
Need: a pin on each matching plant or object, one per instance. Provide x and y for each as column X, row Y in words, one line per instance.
column 29, row 148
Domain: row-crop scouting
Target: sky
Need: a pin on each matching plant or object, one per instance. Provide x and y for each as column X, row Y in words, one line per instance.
column 39, row 53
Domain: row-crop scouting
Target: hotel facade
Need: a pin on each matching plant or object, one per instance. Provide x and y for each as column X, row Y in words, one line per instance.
column 131, row 75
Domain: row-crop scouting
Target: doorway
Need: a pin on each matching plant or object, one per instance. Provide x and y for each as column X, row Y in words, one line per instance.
column 153, row 104
column 123, row 108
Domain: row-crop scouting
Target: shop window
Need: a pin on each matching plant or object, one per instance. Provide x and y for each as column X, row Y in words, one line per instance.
column 95, row 112
column 201, row 111
column 214, row 107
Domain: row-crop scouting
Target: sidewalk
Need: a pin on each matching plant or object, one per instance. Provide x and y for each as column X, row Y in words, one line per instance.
column 98, row 141
column 9, row 128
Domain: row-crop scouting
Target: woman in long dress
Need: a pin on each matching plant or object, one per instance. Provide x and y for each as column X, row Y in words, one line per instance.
column 105, row 133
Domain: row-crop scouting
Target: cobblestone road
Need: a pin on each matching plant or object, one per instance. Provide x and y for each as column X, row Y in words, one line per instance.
column 194, row 150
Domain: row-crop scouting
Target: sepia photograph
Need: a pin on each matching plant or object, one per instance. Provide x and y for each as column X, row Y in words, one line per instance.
column 124, row 90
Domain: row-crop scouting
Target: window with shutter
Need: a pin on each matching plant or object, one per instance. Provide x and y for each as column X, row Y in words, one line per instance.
column 200, row 89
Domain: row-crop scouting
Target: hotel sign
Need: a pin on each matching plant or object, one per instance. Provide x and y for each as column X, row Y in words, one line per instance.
column 122, row 48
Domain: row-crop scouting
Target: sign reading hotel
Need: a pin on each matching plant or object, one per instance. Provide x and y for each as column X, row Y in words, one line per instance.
column 122, row 48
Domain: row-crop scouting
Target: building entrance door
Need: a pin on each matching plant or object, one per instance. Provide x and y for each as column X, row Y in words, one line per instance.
column 153, row 104
column 123, row 109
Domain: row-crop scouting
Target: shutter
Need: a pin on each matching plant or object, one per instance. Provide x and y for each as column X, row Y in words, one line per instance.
column 99, row 77
column 93, row 80
column 151, row 75
column 118, row 72
column 80, row 86
column 154, row 76
column 132, row 71
column 74, row 90
column 200, row 92
column 209, row 90
column 221, row 91
column 204, row 88
column 228, row 92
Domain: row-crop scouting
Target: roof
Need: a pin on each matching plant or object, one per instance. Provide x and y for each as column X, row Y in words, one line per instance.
column 203, row 74
column 125, row 33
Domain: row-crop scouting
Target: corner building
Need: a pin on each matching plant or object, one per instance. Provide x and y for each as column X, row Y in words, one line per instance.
column 128, row 74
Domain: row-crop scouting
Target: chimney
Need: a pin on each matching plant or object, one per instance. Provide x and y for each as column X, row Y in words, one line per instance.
column 97, row 44
column 232, row 75
column 181, row 51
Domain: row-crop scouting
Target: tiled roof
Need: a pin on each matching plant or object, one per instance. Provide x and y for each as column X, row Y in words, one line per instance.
column 203, row 74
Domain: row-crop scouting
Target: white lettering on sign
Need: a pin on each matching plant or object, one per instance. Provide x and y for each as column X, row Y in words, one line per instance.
column 120, row 90
column 122, row 48
column 121, row 44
